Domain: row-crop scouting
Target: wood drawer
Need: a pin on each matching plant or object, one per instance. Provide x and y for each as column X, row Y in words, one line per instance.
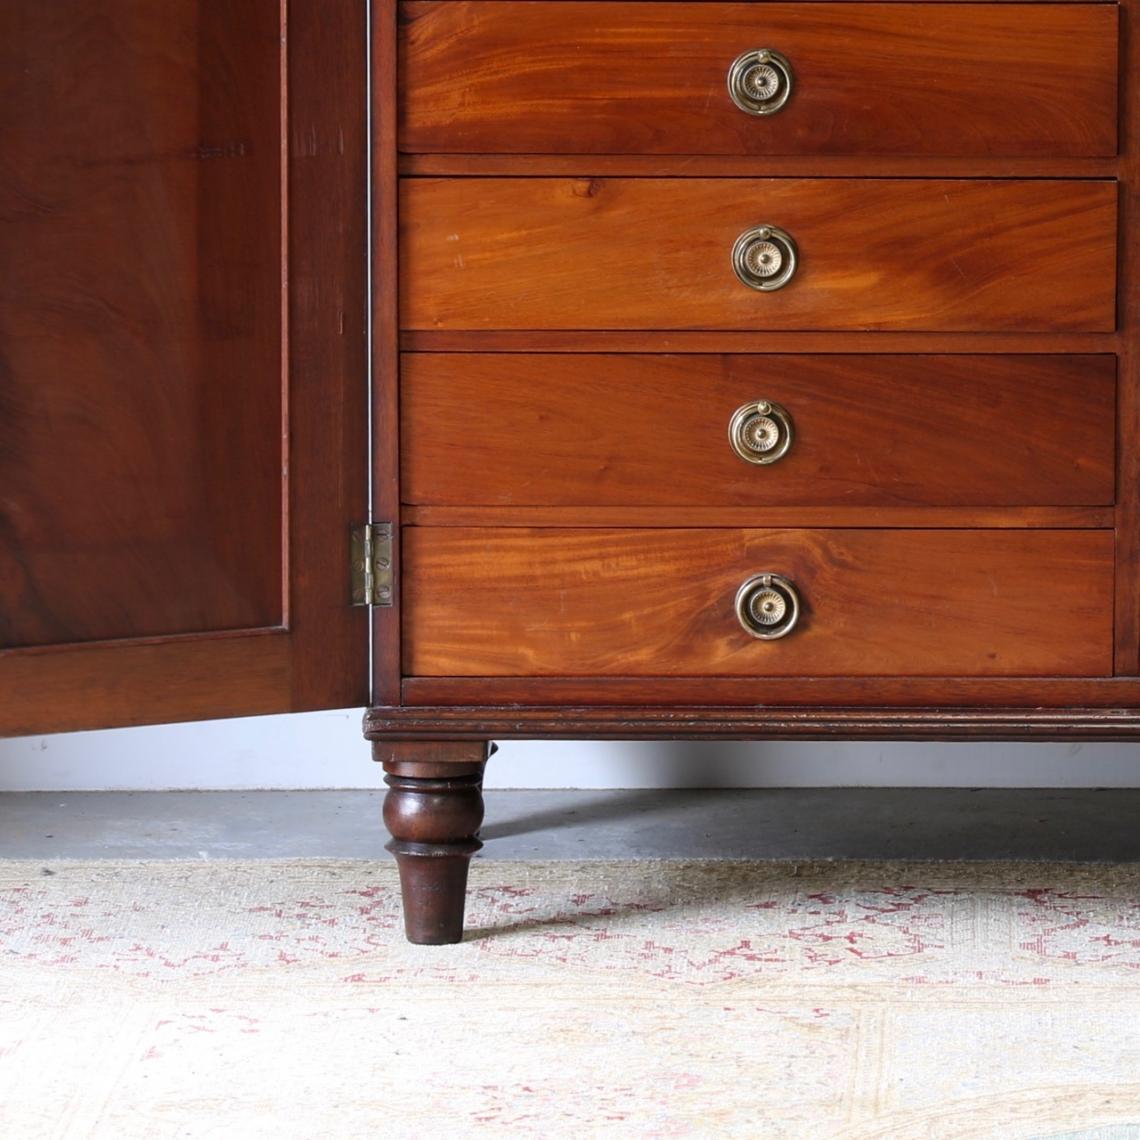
column 486, row 602
column 647, row 253
column 867, row 430
column 650, row 78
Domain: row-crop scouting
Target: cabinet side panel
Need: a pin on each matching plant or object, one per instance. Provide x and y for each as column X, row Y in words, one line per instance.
column 1128, row 396
column 386, row 627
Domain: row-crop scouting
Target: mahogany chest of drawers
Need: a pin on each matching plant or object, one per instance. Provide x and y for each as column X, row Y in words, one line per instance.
column 720, row 370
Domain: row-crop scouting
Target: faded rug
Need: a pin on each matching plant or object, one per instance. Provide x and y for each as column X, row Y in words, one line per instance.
column 248, row 999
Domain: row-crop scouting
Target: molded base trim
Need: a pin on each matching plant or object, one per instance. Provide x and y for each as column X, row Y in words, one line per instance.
column 752, row 723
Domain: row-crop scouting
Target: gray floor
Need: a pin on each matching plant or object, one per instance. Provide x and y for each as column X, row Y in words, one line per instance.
column 799, row 823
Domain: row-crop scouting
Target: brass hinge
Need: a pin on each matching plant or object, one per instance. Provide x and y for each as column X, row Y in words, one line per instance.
column 371, row 553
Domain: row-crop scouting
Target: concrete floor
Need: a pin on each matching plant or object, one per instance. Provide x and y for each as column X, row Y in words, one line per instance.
column 792, row 823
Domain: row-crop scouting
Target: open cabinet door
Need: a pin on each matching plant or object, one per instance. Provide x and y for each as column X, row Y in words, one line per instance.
column 183, row 381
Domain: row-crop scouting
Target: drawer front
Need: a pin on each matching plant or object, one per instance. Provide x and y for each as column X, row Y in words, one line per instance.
column 923, row 254
column 584, row 430
column 486, row 602
column 650, row 78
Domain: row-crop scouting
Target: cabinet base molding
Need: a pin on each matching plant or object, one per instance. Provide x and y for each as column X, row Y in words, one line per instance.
column 393, row 728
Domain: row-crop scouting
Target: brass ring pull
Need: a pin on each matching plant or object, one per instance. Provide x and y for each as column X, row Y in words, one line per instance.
column 761, row 432
column 767, row 606
column 765, row 258
column 759, row 82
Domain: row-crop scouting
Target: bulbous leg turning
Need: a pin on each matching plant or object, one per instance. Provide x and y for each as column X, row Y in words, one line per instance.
column 433, row 811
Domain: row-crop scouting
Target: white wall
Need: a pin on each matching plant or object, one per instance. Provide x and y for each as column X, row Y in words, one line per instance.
column 325, row 750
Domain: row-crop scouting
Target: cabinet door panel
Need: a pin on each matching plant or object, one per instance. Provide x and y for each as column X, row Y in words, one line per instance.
column 153, row 209
column 140, row 330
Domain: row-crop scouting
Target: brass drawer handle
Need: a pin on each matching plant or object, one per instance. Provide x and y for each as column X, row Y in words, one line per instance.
column 759, row 82
column 767, row 606
column 764, row 258
column 761, row 432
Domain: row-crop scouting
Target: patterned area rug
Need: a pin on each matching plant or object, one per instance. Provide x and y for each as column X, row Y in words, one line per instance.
column 634, row 999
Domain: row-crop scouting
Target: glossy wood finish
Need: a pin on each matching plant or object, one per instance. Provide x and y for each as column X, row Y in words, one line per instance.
column 1128, row 314
column 961, row 255
column 385, row 383
column 113, row 684
column 433, row 811
column 141, row 270
column 327, row 291
column 552, row 430
column 473, row 698
column 746, row 341
column 928, row 518
column 752, row 166
column 154, row 212
column 660, row 602
column 588, row 168
column 634, row 78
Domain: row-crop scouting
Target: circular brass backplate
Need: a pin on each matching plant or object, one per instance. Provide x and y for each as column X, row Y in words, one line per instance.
column 767, row 606
column 764, row 258
column 759, row 82
column 761, row 432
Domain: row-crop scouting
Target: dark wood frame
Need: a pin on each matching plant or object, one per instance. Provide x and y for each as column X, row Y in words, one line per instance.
column 696, row 722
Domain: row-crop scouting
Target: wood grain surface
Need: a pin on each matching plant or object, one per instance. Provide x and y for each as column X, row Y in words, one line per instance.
column 623, row 696
column 925, row 518
column 182, row 437
column 385, row 326
column 755, row 165
column 140, row 288
column 757, row 341
column 649, row 78
column 1128, row 316
column 549, row 430
column 925, row 255
column 481, row 602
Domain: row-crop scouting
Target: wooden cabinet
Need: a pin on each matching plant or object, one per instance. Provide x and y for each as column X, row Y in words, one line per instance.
column 737, row 371
column 761, row 370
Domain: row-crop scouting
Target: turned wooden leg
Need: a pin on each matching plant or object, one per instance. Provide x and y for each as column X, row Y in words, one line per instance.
column 433, row 810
